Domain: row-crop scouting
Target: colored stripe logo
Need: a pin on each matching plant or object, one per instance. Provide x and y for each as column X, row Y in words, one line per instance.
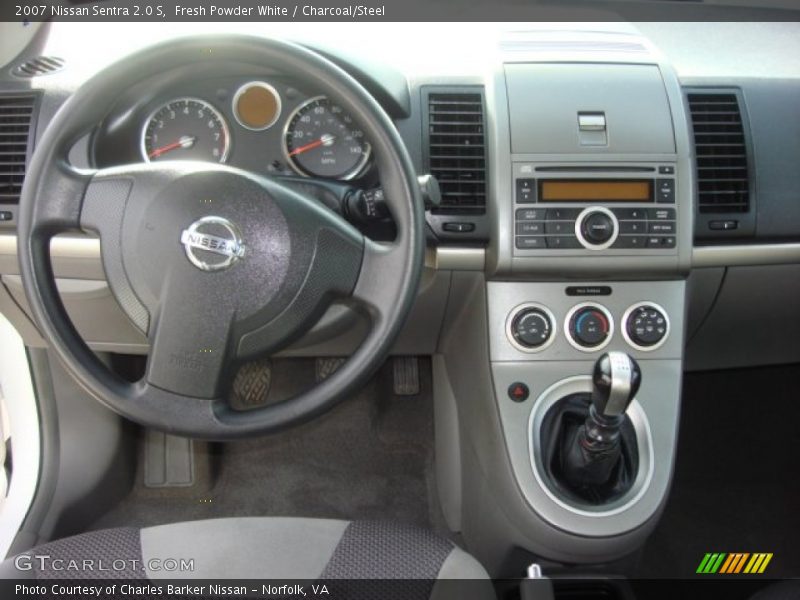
column 734, row 563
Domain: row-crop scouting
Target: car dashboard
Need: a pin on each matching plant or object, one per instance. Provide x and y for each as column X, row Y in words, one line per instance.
column 611, row 187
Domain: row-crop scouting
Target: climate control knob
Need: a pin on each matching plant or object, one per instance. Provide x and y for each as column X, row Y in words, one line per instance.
column 589, row 327
column 531, row 328
column 646, row 326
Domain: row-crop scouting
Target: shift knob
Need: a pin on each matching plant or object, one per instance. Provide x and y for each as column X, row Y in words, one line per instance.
column 615, row 381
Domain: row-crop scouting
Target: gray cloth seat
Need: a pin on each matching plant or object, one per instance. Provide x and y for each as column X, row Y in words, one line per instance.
column 266, row 548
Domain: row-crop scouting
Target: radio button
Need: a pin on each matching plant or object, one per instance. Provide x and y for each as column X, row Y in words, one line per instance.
column 661, row 214
column 530, row 214
column 630, row 214
column 530, row 228
column 529, row 242
column 664, row 227
column 630, row 241
column 661, row 242
column 526, row 191
column 562, row 214
column 563, row 242
column 639, row 227
column 559, row 227
column 665, row 191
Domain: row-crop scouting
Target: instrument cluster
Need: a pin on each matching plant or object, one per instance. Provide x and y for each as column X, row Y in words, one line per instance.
column 261, row 125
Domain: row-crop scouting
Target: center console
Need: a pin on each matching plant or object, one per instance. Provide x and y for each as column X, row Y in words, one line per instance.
column 592, row 202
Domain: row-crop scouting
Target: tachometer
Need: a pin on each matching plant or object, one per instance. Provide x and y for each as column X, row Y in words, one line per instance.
column 186, row 129
column 322, row 140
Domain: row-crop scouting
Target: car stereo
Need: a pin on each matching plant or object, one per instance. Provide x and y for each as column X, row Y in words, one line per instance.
column 592, row 208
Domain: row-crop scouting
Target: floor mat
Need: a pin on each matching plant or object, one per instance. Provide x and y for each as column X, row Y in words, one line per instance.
column 369, row 458
column 736, row 485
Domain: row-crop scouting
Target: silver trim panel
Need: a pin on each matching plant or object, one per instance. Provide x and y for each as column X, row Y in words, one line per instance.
column 60, row 246
column 455, row 258
column 744, row 256
column 449, row 258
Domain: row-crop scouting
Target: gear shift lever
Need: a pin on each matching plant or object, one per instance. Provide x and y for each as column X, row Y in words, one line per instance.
column 593, row 452
column 615, row 381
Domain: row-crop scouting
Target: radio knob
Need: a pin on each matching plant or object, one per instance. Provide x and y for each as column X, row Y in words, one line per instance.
column 531, row 328
column 597, row 227
column 590, row 327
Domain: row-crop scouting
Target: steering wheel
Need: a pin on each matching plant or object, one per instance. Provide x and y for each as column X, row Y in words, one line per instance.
column 215, row 264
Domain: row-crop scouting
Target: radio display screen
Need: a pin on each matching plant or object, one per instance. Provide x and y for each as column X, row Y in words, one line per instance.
column 595, row 190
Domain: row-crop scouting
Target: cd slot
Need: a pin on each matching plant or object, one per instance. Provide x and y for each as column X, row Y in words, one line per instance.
column 593, row 169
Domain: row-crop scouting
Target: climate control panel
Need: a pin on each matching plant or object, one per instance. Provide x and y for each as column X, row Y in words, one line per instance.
column 532, row 327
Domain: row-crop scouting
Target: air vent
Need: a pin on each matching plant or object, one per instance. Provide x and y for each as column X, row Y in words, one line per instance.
column 457, row 150
column 15, row 123
column 41, row 65
column 721, row 151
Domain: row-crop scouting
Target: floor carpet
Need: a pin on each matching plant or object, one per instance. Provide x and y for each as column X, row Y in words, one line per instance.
column 736, row 485
column 369, row 458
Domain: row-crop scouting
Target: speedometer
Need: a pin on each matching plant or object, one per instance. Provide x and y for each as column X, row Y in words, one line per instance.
column 186, row 129
column 322, row 140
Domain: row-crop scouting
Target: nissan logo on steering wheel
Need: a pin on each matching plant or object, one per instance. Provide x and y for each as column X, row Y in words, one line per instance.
column 212, row 243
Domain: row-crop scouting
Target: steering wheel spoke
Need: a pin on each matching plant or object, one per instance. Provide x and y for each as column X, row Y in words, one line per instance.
column 189, row 349
column 61, row 200
column 371, row 290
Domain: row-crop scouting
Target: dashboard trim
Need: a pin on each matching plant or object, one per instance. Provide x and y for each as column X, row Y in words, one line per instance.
column 458, row 258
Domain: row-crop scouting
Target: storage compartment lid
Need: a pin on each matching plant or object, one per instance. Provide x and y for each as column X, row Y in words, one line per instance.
column 548, row 102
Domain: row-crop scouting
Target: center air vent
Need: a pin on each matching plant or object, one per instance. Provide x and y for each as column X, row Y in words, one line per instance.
column 721, row 151
column 457, row 150
column 16, row 112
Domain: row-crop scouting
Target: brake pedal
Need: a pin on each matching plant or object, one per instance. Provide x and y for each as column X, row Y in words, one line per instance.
column 406, row 375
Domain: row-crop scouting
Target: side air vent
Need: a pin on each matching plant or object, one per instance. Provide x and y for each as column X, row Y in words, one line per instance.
column 721, row 150
column 16, row 113
column 457, row 150
column 41, row 65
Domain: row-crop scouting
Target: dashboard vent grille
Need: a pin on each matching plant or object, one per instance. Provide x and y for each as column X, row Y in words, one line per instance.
column 16, row 113
column 721, row 151
column 41, row 65
column 457, row 150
